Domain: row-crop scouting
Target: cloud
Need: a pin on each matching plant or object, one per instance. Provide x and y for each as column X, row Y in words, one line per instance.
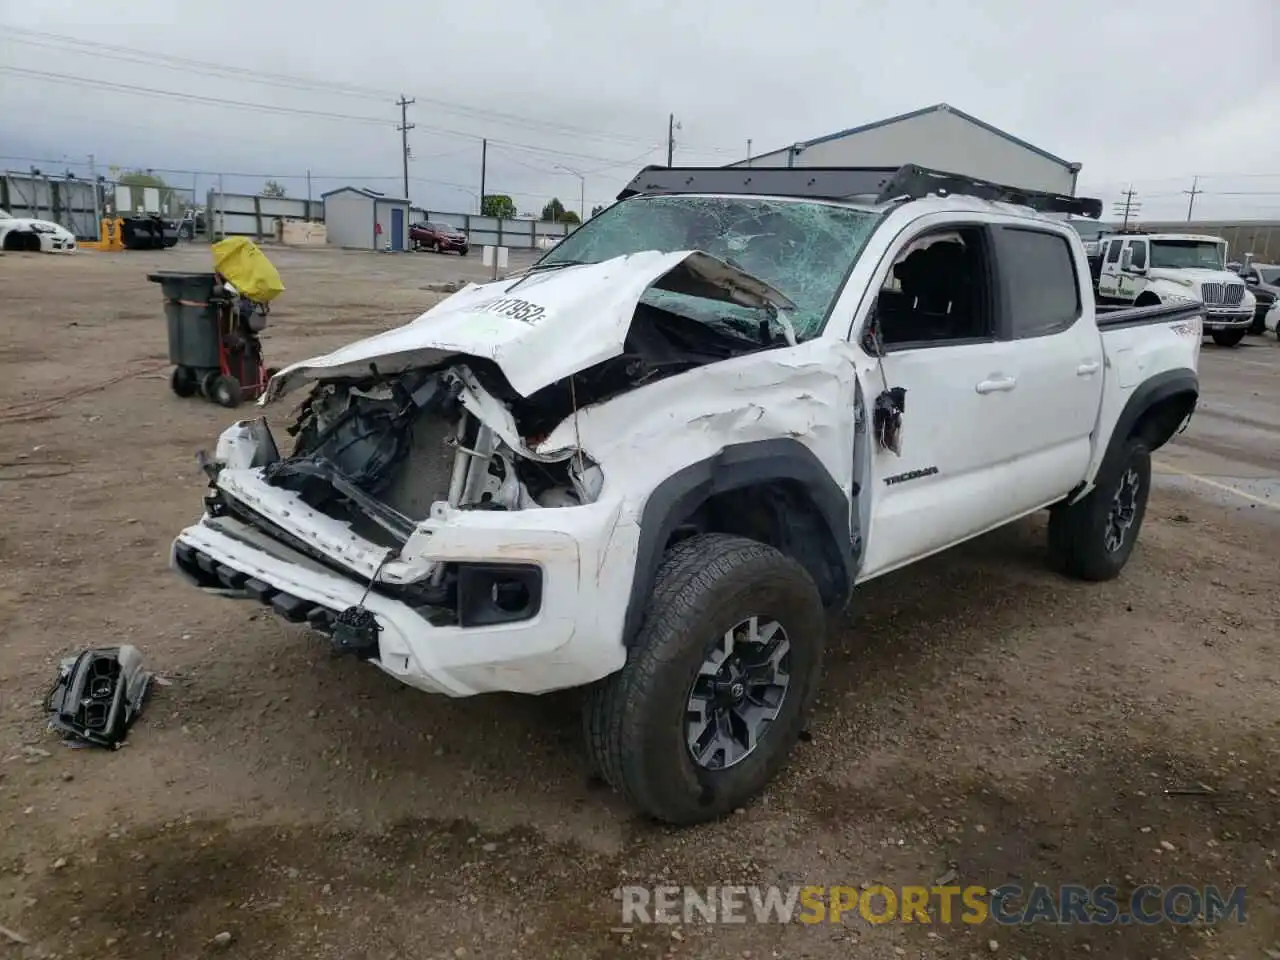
column 562, row 85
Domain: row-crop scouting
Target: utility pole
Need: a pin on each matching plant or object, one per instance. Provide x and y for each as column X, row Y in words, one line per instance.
column 671, row 137
column 308, row 193
column 93, row 180
column 1127, row 208
column 404, row 128
column 484, row 161
column 748, row 151
column 1195, row 182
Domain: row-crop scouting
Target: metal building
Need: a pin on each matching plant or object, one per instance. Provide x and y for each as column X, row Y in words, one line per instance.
column 365, row 219
column 940, row 137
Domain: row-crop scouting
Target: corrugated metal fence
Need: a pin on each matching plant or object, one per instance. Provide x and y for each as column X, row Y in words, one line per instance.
column 250, row 215
column 242, row 214
column 62, row 200
column 1259, row 237
column 518, row 234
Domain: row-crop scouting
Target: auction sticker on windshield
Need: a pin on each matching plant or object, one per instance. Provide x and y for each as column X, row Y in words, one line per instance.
column 515, row 308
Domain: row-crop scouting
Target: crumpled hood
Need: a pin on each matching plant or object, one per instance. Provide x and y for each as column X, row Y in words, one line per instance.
column 538, row 329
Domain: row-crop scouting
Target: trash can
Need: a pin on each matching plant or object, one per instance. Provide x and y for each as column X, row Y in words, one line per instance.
column 193, row 315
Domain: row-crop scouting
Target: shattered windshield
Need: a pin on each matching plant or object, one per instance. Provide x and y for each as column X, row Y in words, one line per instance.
column 803, row 249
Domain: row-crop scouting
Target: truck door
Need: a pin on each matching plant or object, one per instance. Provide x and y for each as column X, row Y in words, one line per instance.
column 1109, row 278
column 1132, row 277
column 1057, row 359
column 983, row 329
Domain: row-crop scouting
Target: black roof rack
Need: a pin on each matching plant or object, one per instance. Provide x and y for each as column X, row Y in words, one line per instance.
column 882, row 184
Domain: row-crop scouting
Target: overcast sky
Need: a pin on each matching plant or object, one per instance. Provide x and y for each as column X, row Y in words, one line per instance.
column 587, row 86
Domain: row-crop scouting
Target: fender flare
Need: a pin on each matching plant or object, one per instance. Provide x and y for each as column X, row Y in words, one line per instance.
column 736, row 466
column 1145, row 396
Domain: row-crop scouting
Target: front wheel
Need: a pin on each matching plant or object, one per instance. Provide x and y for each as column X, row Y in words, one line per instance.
column 717, row 684
column 1093, row 538
column 1229, row 338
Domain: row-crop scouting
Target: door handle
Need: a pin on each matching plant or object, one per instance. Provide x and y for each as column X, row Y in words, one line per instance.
column 1087, row 369
column 996, row 384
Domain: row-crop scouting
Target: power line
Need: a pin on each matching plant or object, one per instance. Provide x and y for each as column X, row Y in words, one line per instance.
column 301, row 111
column 170, row 61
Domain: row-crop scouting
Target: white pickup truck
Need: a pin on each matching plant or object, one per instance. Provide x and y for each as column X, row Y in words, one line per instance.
column 650, row 464
column 1154, row 268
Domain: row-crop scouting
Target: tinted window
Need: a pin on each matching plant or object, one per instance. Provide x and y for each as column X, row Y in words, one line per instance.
column 1113, row 250
column 1139, row 255
column 1038, row 277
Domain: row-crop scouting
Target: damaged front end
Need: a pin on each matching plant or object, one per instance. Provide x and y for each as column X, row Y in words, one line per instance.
column 377, row 463
column 438, row 482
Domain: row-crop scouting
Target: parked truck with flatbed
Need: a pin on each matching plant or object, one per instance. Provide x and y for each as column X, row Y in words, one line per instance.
column 653, row 463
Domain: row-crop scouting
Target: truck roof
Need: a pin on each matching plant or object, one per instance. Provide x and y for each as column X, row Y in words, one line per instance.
column 1186, row 237
column 874, row 185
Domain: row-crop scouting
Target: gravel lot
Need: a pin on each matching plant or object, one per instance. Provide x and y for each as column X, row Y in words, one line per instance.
column 979, row 713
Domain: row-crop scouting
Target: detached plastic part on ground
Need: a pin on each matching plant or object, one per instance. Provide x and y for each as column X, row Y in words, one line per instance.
column 98, row 695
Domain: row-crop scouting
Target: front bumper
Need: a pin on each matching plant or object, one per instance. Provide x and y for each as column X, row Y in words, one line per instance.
column 573, row 639
column 1227, row 319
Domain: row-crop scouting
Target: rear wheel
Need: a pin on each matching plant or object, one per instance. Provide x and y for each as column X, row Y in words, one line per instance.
column 1092, row 539
column 225, row 390
column 717, row 685
column 1229, row 338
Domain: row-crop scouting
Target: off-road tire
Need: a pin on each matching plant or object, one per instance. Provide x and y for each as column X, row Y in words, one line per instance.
column 1077, row 532
column 635, row 719
column 1229, row 338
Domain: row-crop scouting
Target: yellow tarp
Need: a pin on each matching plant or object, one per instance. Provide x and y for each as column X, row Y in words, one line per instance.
column 240, row 261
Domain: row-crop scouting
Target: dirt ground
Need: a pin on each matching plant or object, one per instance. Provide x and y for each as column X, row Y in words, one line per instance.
column 979, row 714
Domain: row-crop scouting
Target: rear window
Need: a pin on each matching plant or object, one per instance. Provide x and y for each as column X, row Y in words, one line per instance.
column 1038, row 277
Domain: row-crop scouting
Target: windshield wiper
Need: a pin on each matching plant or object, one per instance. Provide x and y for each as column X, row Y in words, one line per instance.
column 556, row 264
column 542, row 267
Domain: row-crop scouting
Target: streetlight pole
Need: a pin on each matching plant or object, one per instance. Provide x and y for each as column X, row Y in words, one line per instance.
column 582, row 191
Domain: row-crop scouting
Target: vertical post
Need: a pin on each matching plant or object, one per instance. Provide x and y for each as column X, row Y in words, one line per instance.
column 582, row 199
column 484, row 160
column 405, row 127
column 93, row 180
column 222, row 203
column 748, row 151
column 308, row 216
column 1195, row 181
column 671, row 138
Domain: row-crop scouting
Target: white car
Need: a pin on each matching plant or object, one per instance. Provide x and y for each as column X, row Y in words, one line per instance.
column 644, row 469
column 34, row 236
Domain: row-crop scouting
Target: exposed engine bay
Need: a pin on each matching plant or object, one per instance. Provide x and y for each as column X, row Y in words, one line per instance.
column 379, row 451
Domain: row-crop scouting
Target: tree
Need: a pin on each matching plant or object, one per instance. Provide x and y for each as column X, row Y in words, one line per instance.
column 597, row 209
column 568, row 216
column 272, row 189
column 498, row 205
column 553, row 210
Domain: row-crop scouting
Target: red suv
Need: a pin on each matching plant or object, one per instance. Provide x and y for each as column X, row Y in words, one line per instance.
column 438, row 237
